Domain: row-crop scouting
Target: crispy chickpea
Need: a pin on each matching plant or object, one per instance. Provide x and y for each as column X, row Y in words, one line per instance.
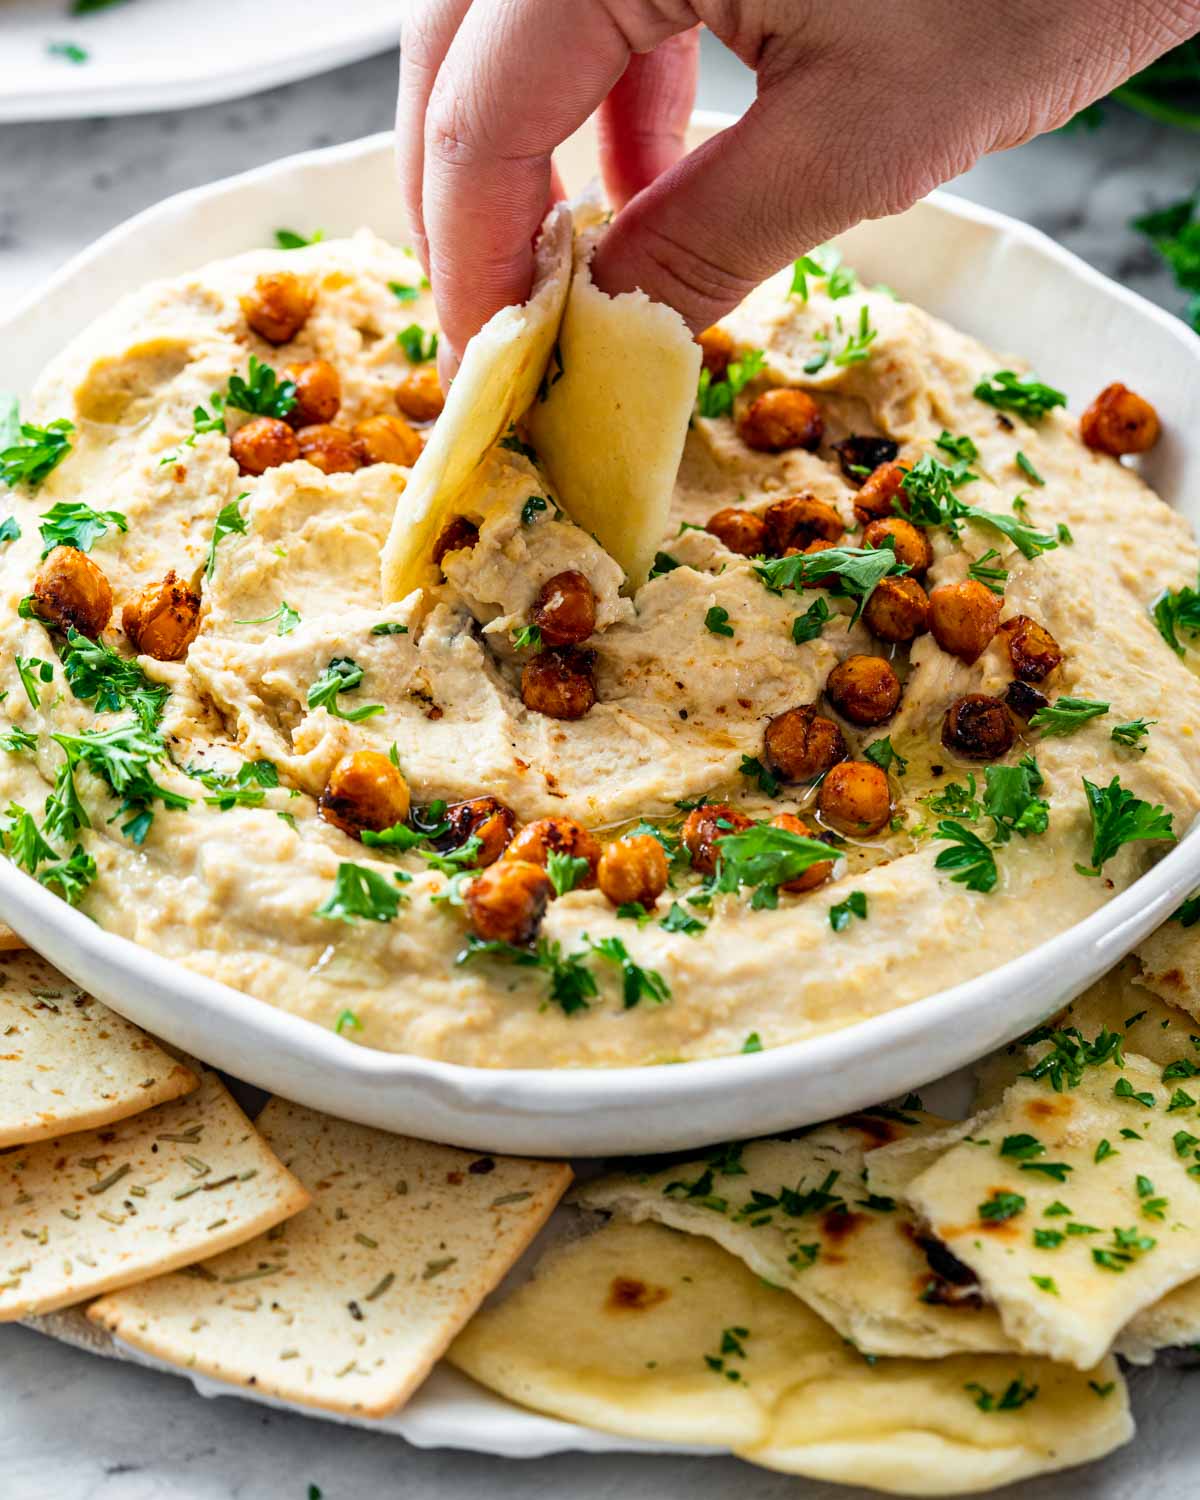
column 331, row 449
column 740, row 530
column 779, row 419
column 800, row 744
column 978, row 727
column 816, row 874
column 1119, row 421
column 263, row 443
column 386, row 440
column 507, row 902
column 878, row 490
column 798, row 520
column 716, row 350
column 1024, row 700
column 565, row 609
column 558, row 683
column 545, row 836
column 457, row 535
column 1033, row 651
column 70, row 590
column 863, row 689
column 909, row 542
column 855, row 798
column 278, row 307
column 318, row 392
column 485, row 818
column 860, row 455
column 633, row 870
column 163, row 619
column 963, row 618
column 898, row 610
column 704, row 828
column 365, row 790
column 419, row 394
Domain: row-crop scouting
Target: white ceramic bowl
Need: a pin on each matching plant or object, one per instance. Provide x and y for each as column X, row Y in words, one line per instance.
column 993, row 276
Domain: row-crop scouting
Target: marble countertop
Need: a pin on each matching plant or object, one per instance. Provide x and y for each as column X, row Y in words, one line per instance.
column 73, row 1427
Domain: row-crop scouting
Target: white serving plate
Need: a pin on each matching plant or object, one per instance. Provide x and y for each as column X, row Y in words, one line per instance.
column 995, row 277
column 165, row 54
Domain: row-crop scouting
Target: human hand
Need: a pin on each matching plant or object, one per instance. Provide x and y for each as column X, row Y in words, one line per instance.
column 861, row 110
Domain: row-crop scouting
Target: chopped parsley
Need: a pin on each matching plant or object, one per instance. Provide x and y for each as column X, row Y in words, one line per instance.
column 1066, row 715
column 389, row 627
column 1123, row 1089
column 714, row 398
column 808, row 626
column 289, row 239
column 29, row 452
column 32, row 670
column 565, row 870
column 855, row 905
column 572, row 986
column 532, row 507
column 1127, row 1246
column 1070, row 1054
column 513, row 442
column 663, row 563
column 1026, row 467
column 678, row 920
column 764, row 858
column 115, row 683
column 1022, row 1147
column 342, row 675
column 70, row 52
column 823, row 263
column 1028, row 397
column 10, row 530
column 858, row 344
column 1045, row 1284
column 857, row 571
column 1132, row 734
column 716, row 620
column 403, row 292
column 527, row 638
column 970, row 860
column 285, row 615
column 347, row 1021
column 636, row 983
column 1001, row 1206
column 263, row 394
column 73, row 523
column 1118, row 818
column 1176, row 610
column 1011, row 801
column 122, row 757
column 991, row 577
column 229, row 522
column 360, row 893
column 1014, row 1396
column 885, row 755
column 961, row 448
column 753, row 1043
column 419, row 347
column 768, row 782
column 18, row 740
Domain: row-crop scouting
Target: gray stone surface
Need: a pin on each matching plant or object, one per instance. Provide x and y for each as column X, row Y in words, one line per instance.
column 73, row 1427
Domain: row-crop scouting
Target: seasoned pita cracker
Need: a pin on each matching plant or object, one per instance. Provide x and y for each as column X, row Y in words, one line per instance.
column 67, row 1063
column 798, row 1213
column 348, row 1306
column 648, row 1333
column 85, row 1213
column 496, row 383
column 1074, row 1208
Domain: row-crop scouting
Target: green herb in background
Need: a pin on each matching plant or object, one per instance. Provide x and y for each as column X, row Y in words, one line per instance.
column 1174, row 231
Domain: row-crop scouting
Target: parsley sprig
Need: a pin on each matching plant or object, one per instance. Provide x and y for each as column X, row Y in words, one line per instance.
column 1065, row 715
column 763, row 858
column 342, row 675
column 856, row 571
column 1176, row 610
column 1118, row 818
column 360, row 894
column 714, row 398
column 114, row 683
column 29, row 453
column 261, row 393
column 73, row 523
column 229, row 522
column 1028, row 397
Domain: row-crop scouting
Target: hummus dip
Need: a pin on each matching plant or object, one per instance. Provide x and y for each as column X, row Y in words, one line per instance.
column 178, row 801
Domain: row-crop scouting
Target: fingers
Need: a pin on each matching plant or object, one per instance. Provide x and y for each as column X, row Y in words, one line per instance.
column 643, row 122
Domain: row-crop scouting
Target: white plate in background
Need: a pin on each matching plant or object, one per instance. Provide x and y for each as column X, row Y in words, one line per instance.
column 993, row 276
column 172, row 54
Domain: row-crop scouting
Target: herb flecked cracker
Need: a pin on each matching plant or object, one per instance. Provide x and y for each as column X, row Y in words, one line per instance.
column 67, row 1063
column 799, row 1214
column 348, row 1306
column 645, row 1332
column 86, row 1213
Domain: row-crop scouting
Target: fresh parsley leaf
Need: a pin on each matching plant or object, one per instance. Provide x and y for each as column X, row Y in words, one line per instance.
column 360, row 893
column 289, row 239
column 969, row 859
column 678, row 920
column 263, row 394
column 532, row 508
column 855, row 905
column 389, row 627
column 10, row 531
column 1026, row 467
column 1132, row 734
column 122, row 757
column 961, row 448
column 824, row 263
column 347, row 1021
column 70, row 52
column 1070, row 1053
column 1066, row 715
column 18, row 740
column 637, row 984
column 342, row 675
column 1015, row 1395
column 71, row 877
column 32, row 670
column 565, row 871
column 514, row 443
column 716, row 620
column 753, row 1043
column 97, row 674
column 1123, row 1089
column 857, row 571
column 527, row 638
column 1011, row 803
column 885, row 755
column 1001, row 1206
column 403, row 292
column 808, row 626
column 956, row 800
column 858, row 345
column 764, row 857
column 929, row 498
column 1022, row 1147
column 714, row 398
column 1176, row 610
column 30, row 452
column 663, row 563
column 287, row 617
column 1118, row 817
column 419, row 347
column 1028, row 397
column 229, row 522
column 73, row 523
column 22, row 839
column 571, row 984
column 991, row 577
column 768, row 782
column 1188, row 914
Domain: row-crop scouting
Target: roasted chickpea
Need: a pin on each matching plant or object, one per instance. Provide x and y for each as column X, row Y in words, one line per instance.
column 978, row 727
column 1024, row 700
column 633, row 870
column 741, row 530
column 704, row 828
column 485, row 818
column 855, row 798
column 800, row 744
column 162, row 620
column 779, row 419
column 70, row 590
column 538, row 840
column 386, row 440
column 860, row 455
column 333, row 450
column 263, row 443
column 419, row 394
column 716, row 350
column 558, row 683
column 816, row 874
column 565, row 609
column 798, row 520
column 863, row 689
column 878, row 490
column 1033, row 651
column 457, row 535
column 365, row 790
column 963, row 618
column 318, row 392
column 506, row 903
column 1119, row 421
column 909, row 542
column 278, row 307
column 898, row 610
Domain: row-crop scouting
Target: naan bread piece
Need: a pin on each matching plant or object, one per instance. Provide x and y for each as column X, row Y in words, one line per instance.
column 1075, row 1209
column 612, row 416
column 648, row 1333
column 496, row 383
column 1171, row 966
column 347, row 1307
column 85, row 1213
column 798, row 1214
column 67, row 1063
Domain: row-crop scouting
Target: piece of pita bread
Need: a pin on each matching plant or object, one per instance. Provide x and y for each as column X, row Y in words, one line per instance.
column 645, row 1332
column 85, row 1213
column 496, row 383
column 798, row 1213
column 67, row 1063
column 1171, row 966
column 348, row 1306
